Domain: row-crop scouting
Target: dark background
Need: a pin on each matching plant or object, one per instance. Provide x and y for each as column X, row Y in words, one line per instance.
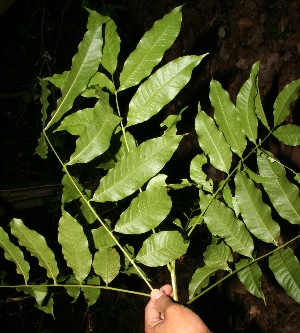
column 38, row 39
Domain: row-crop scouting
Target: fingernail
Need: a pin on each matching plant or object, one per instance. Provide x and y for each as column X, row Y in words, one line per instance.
column 157, row 294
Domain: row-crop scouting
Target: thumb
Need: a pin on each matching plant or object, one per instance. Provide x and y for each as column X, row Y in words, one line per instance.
column 160, row 301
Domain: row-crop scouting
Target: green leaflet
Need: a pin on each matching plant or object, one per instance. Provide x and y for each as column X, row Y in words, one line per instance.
column 95, row 139
column 226, row 117
column 13, row 253
column 70, row 193
column 283, row 194
column 259, row 108
column 245, row 105
column 282, row 103
column 102, row 238
column 217, row 256
column 107, row 264
column 84, row 65
column 92, row 294
column 111, row 47
column 58, row 79
column 151, row 49
column 256, row 214
column 135, row 168
column 198, row 175
column 161, row 88
column 286, row 269
column 161, row 248
column 76, row 122
column 288, row 134
column 42, row 148
column 200, row 280
column 222, row 222
column 44, row 303
column 250, row 277
column 213, row 143
column 74, row 246
column 145, row 212
column 37, row 246
column 73, row 292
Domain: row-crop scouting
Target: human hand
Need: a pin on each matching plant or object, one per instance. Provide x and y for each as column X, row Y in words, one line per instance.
column 162, row 315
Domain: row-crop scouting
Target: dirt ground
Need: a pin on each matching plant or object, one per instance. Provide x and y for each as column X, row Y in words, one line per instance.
column 39, row 39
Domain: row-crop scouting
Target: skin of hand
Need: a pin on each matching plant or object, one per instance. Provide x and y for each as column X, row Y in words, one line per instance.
column 162, row 315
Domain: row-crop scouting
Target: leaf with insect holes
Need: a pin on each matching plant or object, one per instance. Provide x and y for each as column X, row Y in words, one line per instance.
column 37, row 246
column 151, row 49
column 13, row 253
column 286, row 269
column 75, row 247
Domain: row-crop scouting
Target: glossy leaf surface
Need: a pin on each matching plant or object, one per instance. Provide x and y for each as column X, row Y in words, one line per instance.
column 213, row 143
column 135, row 168
column 145, row 212
column 13, row 253
column 74, row 246
column 37, row 246
column 151, row 49
column 161, row 248
column 286, row 268
column 160, row 88
column 256, row 214
column 288, row 134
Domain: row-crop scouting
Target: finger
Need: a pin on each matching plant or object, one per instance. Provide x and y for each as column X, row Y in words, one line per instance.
column 167, row 289
column 160, row 301
column 152, row 315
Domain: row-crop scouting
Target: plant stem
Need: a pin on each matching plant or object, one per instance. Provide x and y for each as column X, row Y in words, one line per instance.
column 89, row 286
column 241, row 268
column 171, row 268
column 87, row 202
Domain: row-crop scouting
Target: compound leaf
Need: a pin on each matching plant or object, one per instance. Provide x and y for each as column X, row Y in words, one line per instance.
column 245, row 105
column 135, row 168
column 145, row 212
column 160, row 88
column 286, row 269
column 282, row 103
column 75, row 246
column 84, row 65
column 226, row 117
column 36, row 245
column 151, row 49
column 222, row 222
column 213, row 143
column 13, row 253
column 107, row 264
column 256, row 214
column 283, row 194
column 161, row 248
